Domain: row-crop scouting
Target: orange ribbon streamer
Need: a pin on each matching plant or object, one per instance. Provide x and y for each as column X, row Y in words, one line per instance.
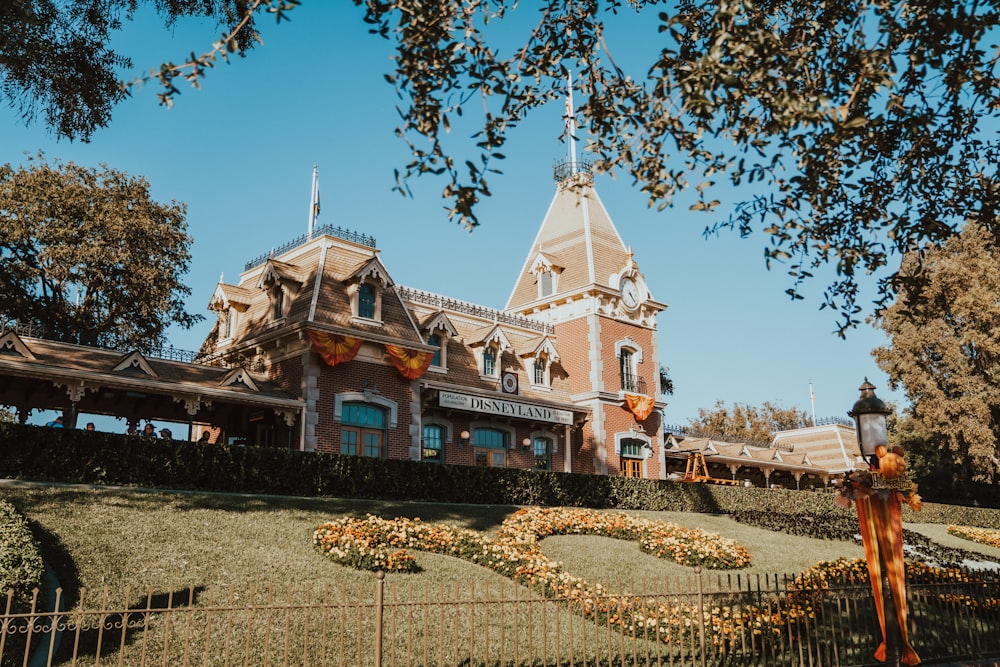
column 334, row 348
column 641, row 406
column 411, row 364
column 881, row 523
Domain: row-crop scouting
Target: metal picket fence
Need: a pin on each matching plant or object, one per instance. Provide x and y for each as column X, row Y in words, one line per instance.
column 698, row 621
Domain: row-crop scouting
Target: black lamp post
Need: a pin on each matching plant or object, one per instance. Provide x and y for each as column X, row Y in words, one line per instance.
column 869, row 414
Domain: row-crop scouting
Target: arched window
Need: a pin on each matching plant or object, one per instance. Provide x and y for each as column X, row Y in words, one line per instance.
column 366, row 301
column 363, row 430
column 490, row 447
column 433, row 443
column 543, row 453
column 626, row 362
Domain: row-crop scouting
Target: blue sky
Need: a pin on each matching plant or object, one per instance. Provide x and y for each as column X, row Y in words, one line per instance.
column 240, row 152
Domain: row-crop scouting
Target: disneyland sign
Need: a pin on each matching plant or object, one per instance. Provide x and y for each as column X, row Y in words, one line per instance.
column 497, row 406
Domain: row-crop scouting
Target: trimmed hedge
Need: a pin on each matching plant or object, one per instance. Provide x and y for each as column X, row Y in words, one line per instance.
column 21, row 565
column 85, row 457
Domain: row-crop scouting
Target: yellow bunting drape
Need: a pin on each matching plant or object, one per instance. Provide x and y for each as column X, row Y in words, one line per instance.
column 334, row 348
column 881, row 522
column 411, row 364
column 641, row 406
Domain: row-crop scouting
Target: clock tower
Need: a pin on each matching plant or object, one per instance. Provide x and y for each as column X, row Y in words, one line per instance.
column 583, row 279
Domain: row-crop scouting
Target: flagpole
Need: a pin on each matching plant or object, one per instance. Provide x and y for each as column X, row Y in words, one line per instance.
column 812, row 399
column 570, row 120
column 314, row 200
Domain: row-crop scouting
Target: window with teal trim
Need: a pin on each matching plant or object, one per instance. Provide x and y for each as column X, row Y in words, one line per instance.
column 363, row 430
column 433, row 447
column 490, row 438
column 632, row 448
column 490, row 361
column 366, row 301
column 543, row 453
column 435, row 339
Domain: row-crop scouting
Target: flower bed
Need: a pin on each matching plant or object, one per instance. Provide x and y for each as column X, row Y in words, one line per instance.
column 980, row 535
column 374, row 543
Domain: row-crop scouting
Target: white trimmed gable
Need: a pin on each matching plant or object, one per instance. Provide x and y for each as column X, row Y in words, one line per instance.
column 375, row 271
column 239, row 377
column 12, row 345
column 544, row 348
column 439, row 321
column 496, row 336
column 135, row 364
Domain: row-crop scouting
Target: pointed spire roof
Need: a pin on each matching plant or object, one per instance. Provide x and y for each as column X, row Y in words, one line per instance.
column 577, row 239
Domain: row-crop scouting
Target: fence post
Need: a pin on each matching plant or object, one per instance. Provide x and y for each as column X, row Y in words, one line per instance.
column 379, row 598
column 701, row 615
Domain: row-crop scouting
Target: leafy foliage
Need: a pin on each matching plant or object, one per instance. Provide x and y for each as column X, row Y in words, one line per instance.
column 944, row 352
column 56, row 61
column 867, row 123
column 90, row 256
column 21, row 566
column 748, row 423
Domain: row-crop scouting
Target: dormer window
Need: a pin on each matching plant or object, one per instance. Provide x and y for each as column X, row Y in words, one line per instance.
column 277, row 302
column 367, row 297
column 439, row 330
column 435, row 339
column 490, row 361
column 281, row 281
column 229, row 319
column 546, row 284
column 540, row 373
column 546, row 273
column 538, row 359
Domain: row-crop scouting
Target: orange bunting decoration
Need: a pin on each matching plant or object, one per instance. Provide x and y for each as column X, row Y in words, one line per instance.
column 641, row 406
column 881, row 523
column 411, row 364
column 334, row 348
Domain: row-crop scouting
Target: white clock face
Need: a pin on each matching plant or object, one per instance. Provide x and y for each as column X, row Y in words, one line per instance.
column 630, row 293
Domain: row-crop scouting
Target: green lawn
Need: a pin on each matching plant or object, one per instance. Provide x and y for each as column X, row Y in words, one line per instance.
column 118, row 537
column 123, row 539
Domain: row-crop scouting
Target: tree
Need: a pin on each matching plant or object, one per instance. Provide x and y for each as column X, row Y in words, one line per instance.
column 944, row 347
column 89, row 256
column 746, row 422
column 856, row 129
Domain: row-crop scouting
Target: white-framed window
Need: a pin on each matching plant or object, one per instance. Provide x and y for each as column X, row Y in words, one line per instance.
column 277, row 296
column 230, row 320
column 629, row 357
column 546, row 283
column 540, row 371
column 366, row 301
column 490, row 359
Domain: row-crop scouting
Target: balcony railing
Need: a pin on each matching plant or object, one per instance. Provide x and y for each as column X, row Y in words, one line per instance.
column 339, row 232
column 633, row 383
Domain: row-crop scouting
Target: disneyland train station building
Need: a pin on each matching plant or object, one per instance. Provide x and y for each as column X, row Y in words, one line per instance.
column 317, row 348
